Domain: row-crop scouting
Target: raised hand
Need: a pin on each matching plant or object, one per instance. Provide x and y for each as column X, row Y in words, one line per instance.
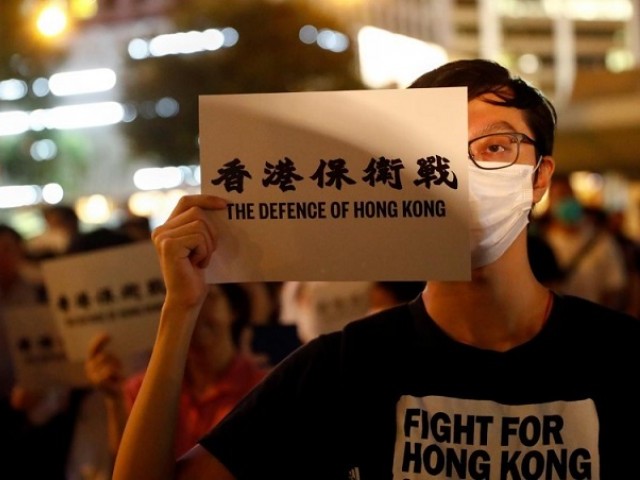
column 185, row 243
column 103, row 368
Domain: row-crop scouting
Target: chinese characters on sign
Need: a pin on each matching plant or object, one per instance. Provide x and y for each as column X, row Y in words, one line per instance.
column 114, row 298
column 37, row 349
column 434, row 170
column 117, row 290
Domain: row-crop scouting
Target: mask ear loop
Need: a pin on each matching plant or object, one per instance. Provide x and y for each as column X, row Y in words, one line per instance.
column 535, row 169
column 538, row 163
column 535, row 180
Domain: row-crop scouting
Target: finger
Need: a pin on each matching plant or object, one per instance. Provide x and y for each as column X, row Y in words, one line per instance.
column 108, row 369
column 98, row 344
column 192, row 222
column 202, row 201
column 194, row 241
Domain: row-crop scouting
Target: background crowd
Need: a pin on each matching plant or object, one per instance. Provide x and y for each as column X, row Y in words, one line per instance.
column 244, row 330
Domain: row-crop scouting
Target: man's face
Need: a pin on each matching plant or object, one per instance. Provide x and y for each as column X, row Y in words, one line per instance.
column 486, row 118
column 215, row 319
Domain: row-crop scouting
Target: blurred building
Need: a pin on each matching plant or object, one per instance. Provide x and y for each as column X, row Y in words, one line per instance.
column 584, row 54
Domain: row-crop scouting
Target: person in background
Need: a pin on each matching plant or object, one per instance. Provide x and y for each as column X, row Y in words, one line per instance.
column 30, row 419
column 614, row 222
column 136, row 227
column 385, row 295
column 16, row 289
column 89, row 456
column 591, row 261
column 316, row 308
column 268, row 339
column 97, row 239
column 544, row 263
column 62, row 225
column 264, row 305
column 494, row 377
column 61, row 421
column 217, row 373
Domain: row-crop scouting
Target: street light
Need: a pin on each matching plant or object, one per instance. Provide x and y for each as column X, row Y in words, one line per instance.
column 52, row 19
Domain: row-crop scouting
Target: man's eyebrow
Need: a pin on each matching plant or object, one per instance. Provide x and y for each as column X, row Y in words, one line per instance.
column 497, row 127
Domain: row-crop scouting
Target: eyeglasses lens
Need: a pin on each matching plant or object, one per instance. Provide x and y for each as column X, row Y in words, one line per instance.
column 495, row 151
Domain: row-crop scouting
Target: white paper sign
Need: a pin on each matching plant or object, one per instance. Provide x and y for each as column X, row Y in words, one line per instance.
column 338, row 185
column 118, row 290
column 37, row 350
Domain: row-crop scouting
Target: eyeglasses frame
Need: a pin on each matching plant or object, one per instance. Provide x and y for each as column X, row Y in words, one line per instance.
column 520, row 138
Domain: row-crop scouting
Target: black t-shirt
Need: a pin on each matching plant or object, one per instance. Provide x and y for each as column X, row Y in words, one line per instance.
column 392, row 396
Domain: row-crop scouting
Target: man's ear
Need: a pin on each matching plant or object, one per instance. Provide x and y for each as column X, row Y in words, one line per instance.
column 542, row 178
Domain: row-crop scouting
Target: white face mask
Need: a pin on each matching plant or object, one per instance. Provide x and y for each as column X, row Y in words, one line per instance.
column 500, row 202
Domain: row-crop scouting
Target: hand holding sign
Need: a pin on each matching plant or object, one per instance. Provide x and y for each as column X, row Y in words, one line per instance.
column 185, row 243
column 103, row 368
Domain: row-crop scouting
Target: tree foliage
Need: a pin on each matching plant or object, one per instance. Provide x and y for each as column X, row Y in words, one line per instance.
column 67, row 168
column 25, row 55
column 268, row 57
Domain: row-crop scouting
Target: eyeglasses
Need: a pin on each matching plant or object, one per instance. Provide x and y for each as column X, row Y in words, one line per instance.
column 497, row 150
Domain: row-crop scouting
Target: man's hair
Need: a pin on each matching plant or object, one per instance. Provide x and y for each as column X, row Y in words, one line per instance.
column 485, row 76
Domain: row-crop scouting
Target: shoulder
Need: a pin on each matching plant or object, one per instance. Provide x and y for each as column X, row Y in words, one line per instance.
column 590, row 319
column 383, row 325
column 370, row 332
column 376, row 341
column 380, row 326
column 572, row 306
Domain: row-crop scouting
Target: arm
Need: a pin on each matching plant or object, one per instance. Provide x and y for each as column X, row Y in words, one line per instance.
column 184, row 244
column 104, row 371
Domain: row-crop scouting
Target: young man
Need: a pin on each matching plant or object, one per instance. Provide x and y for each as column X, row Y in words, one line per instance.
column 494, row 378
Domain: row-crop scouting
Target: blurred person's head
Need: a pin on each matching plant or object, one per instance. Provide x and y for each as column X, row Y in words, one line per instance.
column 223, row 317
column 385, row 295
column 61, row 217
column 136, row 227
column 264, row 302
column 12, row 255
column 101, row 237
column 61, row 227
column 18, row 283
column 564, row 207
